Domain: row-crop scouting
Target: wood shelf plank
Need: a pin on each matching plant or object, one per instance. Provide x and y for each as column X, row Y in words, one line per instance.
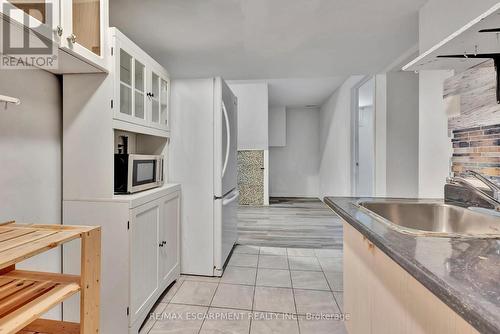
column 19, row 242
column 44, row 326
column 24, row 300
column 40, row 276
column 27, row 295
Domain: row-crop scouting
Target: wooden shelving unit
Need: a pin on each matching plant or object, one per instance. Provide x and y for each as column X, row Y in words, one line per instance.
column 26, row 295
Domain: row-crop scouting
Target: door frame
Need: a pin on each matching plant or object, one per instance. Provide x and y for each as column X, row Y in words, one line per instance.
column 266, row 177
column 355, row 133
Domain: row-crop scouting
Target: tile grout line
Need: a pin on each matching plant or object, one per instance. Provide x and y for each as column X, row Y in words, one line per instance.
column 293, row 292
column 209, row 305
column 168, row 302
column 331, row 291
column 254, row 289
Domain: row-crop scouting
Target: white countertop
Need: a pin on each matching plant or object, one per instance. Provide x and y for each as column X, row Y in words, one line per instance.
column 136, row 199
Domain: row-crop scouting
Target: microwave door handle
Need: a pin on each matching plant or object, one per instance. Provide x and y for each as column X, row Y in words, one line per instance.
column 161, row 170
column 159, row 174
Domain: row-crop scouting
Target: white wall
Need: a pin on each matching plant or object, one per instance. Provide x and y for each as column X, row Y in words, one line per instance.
column 402, row 134
column 277, row 126
column 435, row 147
column 437, row 21
column 366, row 139
column 335, row 141
column 294, row 169
column 366, row 153
column 380, row 135
column 252, row 114
column 30, row 155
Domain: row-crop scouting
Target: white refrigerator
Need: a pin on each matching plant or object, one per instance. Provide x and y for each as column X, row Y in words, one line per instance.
column 203, row 159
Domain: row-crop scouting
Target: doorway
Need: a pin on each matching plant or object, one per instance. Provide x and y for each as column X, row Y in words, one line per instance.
column 364, row 138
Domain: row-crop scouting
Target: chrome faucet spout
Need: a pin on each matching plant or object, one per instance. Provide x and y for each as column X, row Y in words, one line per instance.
column 490, row 184
column 493, row 200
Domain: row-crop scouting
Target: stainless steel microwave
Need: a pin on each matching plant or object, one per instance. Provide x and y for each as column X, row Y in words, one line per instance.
column 137, row 172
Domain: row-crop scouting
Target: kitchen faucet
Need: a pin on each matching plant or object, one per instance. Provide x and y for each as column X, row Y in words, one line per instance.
column 461, row 180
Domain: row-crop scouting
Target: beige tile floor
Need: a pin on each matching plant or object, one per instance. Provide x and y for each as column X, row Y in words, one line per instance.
column 263, row 290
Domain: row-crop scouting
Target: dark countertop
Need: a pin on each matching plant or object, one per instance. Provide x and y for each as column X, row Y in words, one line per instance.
column 463, row 272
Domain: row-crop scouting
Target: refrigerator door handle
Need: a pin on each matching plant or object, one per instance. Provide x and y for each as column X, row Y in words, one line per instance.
column 231, row 199
column 228, row 142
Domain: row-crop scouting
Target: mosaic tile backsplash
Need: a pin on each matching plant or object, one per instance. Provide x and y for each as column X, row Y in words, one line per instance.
column 475, row 125
column 478, row 149
column 251, row 177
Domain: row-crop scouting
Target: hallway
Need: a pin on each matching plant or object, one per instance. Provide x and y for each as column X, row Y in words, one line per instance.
column 290, row 222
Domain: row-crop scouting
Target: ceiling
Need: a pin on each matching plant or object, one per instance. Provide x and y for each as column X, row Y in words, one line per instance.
column 302, row 92
column 298, row 92
column 261, row 39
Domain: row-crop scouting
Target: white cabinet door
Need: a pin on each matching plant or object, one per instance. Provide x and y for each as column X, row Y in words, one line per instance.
column 169, row 237
column 84, row 28
column 130, row 84
column 154, row 98
column 159, row 94
column 164, row 102
column 42, row 16
column 144, row 245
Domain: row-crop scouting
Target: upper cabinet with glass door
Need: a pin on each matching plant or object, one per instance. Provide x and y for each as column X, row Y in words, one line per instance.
column 41, row 16
column 141, row 88
column 159, row 96
column 77, row 27
column 84, row 29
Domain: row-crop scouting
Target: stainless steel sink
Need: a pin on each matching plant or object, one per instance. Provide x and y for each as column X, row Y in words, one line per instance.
column 434, row 219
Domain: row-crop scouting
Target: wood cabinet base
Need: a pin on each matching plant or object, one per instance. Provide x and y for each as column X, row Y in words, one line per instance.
column 382, row 298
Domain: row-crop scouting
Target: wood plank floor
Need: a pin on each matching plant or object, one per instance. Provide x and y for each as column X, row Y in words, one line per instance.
column 302, row 223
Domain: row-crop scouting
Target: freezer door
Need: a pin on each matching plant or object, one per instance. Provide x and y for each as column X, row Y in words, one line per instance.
column 229, row 142
column 226, row 229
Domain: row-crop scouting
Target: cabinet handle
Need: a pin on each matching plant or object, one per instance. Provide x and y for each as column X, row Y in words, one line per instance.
column 59, row 31
column 163, row 243
column 72, row 38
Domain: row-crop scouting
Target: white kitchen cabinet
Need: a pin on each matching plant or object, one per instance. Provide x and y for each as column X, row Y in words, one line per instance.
column 130, row 85
column 140, row 253
column 145, row 251
column 84, row 25
column 154, row 253
column 160, row 87
column 77, row 27
column 169, row 237
column 141, row 85
column 41, row 16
